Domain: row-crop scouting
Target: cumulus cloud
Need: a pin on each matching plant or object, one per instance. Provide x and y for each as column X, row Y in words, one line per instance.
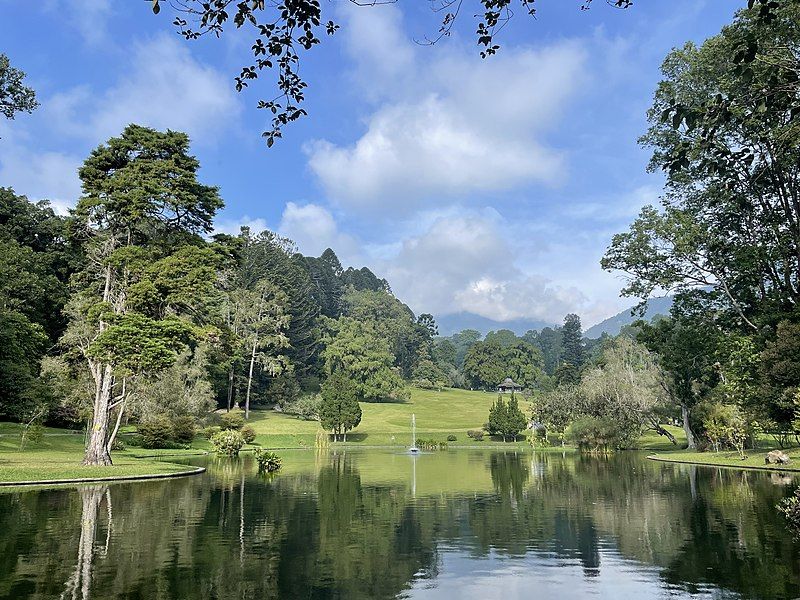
column 450, row 126
column 313, row 228
column 164, row 87
column 466, row 263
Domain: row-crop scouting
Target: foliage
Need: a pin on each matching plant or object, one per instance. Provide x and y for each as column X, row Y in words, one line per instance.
column 451, row 438
column 355, row 348
column 339, row 410
column 556, row 409
column 232, row 420
column 268, row 462
column 248, row 434
column 182, row 390
column 596, row 434
column 157, row 432
column 431, row 445
column 790, row 507
column 210, row 431
column 281, row 32
column 506, row 418
column 476, row 435
column 15, row 96
column 572, row 348
column 306, row 407
column 183, row 429
column 227, row 441
column 488, row 363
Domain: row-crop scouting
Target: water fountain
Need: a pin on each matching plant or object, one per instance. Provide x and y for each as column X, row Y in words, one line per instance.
column 413, row 449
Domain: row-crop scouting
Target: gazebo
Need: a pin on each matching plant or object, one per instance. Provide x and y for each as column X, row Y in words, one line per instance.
column 508, row 386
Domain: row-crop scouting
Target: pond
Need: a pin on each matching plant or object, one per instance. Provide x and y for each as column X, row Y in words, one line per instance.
column 373, row 524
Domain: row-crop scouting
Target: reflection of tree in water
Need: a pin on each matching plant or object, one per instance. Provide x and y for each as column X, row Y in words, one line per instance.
column 327, row 533
column 79, row 583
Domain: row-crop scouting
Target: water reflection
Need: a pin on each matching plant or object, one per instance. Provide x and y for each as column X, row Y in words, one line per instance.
column 372, row 525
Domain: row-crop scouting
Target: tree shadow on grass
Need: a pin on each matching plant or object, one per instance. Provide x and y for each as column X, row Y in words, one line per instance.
column 356, row 437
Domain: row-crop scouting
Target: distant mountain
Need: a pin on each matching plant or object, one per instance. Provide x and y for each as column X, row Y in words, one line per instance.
column 613, row 325
column 450, row 324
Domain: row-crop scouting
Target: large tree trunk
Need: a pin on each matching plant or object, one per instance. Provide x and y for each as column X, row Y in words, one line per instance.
column 96, row 449
column 250, row 380
column 691, row 444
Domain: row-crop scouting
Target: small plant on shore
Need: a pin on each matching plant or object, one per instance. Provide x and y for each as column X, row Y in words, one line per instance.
column 208, row 432
column 233, row 419
column 451, row 438
column 249, row 434
column 431, row 445
column 475, row 434
column 268, row 462
column 227, row 442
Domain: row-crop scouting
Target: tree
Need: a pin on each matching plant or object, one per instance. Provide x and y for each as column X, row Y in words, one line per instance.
column 506, row 418
column 339, row 410
column 626, row 391
column 359, row 352
column 283, row 30
column 15, row 96
column 684, row 347
column 427, row 321
column 142, row 205
column 724, row 127
column 572, row 350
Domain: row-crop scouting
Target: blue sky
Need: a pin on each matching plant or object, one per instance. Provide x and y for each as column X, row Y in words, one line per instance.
column 487, row 186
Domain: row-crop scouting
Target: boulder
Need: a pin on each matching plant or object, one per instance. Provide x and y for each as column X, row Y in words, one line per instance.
column 776, row 457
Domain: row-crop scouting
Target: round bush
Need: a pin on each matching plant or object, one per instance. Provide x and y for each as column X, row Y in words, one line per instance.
column 233, row 419
column 227, row 442
column 451, row 438
column 183, row 429
column 156, row 432
column 208, row 432
column 249, row 434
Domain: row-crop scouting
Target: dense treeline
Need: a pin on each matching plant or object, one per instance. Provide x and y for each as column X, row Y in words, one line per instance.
column 130, row 308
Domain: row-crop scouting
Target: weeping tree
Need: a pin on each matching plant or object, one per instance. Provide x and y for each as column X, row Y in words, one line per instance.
column 149, row 278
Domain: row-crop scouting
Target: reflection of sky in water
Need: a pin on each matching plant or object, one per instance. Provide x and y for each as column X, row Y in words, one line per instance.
column 539, row 575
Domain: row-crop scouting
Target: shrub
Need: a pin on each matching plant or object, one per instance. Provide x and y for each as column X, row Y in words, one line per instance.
column 233, row 419
column 451, row 438
column 305, row 407
column 117, row 445
column 431, row 445
column 248, row 434
column 268, row 462
column 156, row 432
column 183, row 429
column 227, row 442
column 208, row 432
column 475, row 434
column 595, row 434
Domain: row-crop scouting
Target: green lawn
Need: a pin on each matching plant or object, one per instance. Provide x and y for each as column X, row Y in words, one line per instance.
column 58, row 454
column 438, row 414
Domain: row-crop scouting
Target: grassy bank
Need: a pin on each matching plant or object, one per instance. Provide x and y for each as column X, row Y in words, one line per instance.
column 754, row 459
column 438, row 414
column 58, row 453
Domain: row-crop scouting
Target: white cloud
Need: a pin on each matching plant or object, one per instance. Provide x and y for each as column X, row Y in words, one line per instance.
column 163, row 87
column 313, row 228
column 448, row 124
column 466, row 263
column 39, row 175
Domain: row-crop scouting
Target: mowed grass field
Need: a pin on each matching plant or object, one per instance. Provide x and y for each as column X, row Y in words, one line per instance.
column 438, row 414
column 58, row 455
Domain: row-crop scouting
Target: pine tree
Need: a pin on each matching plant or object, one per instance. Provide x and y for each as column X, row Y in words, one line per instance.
column 572, row 350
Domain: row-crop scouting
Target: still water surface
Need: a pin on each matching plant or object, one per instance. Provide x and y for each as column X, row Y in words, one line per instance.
column 373, row 524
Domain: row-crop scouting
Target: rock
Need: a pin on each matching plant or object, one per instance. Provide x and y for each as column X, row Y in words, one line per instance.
column 776, row 457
